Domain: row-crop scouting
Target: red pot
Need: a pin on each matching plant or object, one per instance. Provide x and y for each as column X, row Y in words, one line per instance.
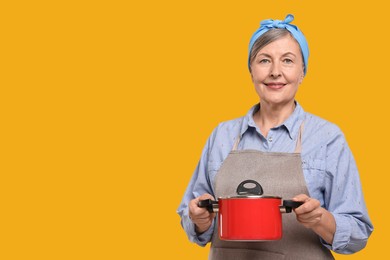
column 250, row 216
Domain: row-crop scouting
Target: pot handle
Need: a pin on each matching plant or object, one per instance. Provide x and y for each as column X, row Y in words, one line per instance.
column 288, row 205
column 210, row 205
column 242, row 190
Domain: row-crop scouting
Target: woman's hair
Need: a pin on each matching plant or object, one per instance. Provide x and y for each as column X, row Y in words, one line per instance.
column 265, row 39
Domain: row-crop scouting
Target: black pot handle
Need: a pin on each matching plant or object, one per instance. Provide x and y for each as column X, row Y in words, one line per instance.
column 242, row 190
column 288, row 205
column 210, row 205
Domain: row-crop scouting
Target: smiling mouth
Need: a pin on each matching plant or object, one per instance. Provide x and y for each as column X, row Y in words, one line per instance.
column 275, row 85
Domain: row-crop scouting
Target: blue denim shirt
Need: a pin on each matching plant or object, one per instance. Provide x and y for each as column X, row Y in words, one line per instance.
column 328, row 165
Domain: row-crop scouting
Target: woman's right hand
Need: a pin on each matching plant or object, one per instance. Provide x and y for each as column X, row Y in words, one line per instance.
column 200, row 216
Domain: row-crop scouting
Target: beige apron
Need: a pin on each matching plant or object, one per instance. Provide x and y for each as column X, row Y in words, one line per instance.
column 280, row 174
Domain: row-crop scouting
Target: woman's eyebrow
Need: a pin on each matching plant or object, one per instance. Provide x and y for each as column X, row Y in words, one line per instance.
column 289, row 53
column 263, row 54
column 267, row 55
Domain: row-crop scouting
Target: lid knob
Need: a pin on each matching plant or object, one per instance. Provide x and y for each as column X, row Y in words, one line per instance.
column 256, row 190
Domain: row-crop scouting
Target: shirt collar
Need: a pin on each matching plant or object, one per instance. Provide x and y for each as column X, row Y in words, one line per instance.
column 292, row 123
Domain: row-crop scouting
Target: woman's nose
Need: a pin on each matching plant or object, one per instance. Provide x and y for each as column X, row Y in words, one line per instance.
column 275, row 70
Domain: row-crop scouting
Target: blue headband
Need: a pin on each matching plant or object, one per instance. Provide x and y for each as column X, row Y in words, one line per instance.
column 269, row 24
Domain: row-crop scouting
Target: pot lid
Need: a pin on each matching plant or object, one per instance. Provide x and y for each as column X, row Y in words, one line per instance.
column 251, row 189
column 250, row 197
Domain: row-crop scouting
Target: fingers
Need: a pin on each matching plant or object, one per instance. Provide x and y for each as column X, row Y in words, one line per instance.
column 200, row 216
column 310, row 212
column 301, row 197
column 205, row 196
column 195, row 210
column 311, row 219
column 309, row 204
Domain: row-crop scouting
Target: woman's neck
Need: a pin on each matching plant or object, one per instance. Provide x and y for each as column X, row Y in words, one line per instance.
column 269, row 116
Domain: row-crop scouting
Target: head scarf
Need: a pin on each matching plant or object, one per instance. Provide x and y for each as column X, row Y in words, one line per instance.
column 269, row 24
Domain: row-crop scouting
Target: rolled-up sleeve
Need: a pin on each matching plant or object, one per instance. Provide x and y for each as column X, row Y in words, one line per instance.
column 199, row 184
column 189, row 228
column 344, row 199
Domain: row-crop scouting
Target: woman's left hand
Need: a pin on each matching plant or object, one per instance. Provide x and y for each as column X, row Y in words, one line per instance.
column 313, row 216
column 310, row 213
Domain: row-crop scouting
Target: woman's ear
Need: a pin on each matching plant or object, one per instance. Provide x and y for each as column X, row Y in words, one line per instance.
column 301, row 78
column 302, row 75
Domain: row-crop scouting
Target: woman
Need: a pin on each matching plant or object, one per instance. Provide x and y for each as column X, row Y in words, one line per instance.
column 333, row 215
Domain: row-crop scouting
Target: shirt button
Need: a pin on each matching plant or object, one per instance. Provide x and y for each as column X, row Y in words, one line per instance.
column 270, row 139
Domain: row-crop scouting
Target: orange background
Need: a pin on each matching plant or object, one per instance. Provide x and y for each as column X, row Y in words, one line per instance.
column 106, row 106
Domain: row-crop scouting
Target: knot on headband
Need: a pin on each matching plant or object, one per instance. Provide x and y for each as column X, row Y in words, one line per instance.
column 269, row 24
column 277, row 23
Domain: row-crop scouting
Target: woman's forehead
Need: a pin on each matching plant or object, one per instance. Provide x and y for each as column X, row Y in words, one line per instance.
column 285, row 44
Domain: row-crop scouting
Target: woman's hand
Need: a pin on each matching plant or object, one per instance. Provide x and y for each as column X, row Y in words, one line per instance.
column 313, row 216
column 310, row 213
column 200, row 216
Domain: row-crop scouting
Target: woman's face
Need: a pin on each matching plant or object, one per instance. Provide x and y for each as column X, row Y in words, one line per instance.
column 277, row 71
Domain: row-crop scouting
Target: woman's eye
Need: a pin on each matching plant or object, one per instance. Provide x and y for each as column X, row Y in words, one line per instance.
column 287, row 61
column 264, row 61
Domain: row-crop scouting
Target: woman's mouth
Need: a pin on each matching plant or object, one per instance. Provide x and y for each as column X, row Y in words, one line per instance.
column 275, row 85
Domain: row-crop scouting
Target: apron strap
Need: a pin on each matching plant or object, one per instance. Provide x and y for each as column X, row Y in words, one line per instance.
column 298, row 147
column 238, row 139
